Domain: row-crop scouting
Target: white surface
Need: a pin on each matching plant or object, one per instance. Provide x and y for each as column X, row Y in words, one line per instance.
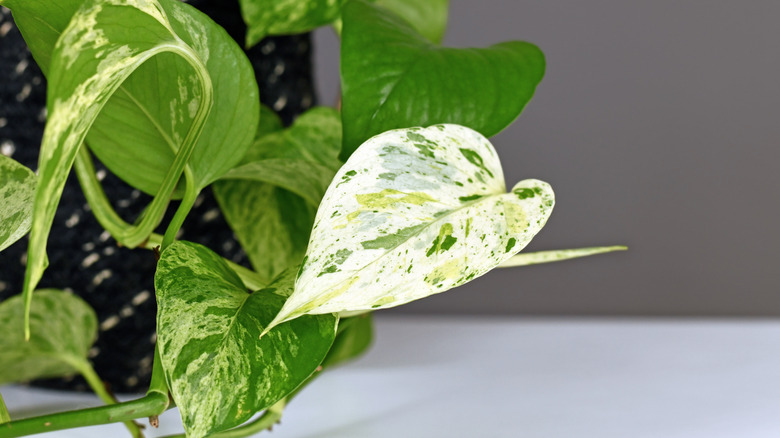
column 464, row 377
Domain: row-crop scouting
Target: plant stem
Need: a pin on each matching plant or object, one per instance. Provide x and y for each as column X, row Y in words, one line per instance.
column 86, row 370
column 270, row 417
column 190, row 195
column 5, row 417
column 151, row 404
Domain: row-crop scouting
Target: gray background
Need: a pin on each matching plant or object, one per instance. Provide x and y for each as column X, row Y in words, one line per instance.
column 658, row 125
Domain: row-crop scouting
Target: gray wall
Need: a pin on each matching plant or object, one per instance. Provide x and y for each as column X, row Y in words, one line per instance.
column 658, row 126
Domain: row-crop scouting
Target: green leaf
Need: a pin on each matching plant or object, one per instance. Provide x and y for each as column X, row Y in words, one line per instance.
column 283, row 17
column 415, row 83
column 17, row 190
column 306, row 179
column 414, row 212
column 144, row 122
column 428, row 17
column 147, row 119
column 219, row 369
column 273, row 213
column 535, row 258
column 353, row 338
column 63, row 328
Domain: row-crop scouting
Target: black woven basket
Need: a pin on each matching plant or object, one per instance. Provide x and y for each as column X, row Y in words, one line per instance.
column 118, row 282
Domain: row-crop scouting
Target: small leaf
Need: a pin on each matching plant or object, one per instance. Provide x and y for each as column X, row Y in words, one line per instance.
column 17, row 190
column 535, row 258
column 412, row 213
column 220, row 370
column 415, row 83
column 272, row 214
column 63, row 328
column 353, row 338
column 284, row 17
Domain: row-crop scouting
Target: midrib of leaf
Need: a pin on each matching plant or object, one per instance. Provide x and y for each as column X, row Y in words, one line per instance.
column 328, row 296
column 401, row 77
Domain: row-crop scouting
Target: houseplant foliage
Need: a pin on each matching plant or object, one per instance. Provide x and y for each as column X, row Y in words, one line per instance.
column 394, row 198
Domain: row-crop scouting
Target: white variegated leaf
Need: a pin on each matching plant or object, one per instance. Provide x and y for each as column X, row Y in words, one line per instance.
column 17, row 189
column 412, row 213
column 557, row 255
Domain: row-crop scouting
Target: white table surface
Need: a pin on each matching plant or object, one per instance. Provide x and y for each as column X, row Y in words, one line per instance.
column 526, row 377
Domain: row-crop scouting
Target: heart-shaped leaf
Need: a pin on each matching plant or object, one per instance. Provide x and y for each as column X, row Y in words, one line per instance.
column 415, row 83
column 220, row 370
column 270, row 201
column 63, row 328
column 17, row 190
column 412, row 213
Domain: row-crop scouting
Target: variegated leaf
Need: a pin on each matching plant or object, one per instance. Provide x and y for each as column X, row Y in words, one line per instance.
column 428, row 17
column 219, row 369
column 283, row 17
column 535, row 258
column 63, row 329
column 17, row 190
column 412, row 213
column 92, row 57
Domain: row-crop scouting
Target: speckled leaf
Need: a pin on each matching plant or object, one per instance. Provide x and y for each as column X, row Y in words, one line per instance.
column 304, row 178
column 17, row 189
column 144, row 122
column 412, row 213
column 416, row 83
column 63, row 329
column 272, row 216
column 284, row 17
column 219, row 369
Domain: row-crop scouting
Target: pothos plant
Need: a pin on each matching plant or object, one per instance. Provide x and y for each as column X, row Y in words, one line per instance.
column 396, row 196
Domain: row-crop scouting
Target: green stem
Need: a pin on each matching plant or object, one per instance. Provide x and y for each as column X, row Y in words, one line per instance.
column 5, row 417
column 190, row 195
column 270, row 417
column 86, row 370
column 151, row 404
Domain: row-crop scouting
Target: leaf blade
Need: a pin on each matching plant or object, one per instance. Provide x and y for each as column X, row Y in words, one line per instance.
column 414, row 212
column 535, row 258
column 17, row 190
column 220, row 371
column 418, row 84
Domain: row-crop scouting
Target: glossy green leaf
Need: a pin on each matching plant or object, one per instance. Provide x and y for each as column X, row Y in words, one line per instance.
column 144, row 122
column 63, row 328
column 414, row 212
column 17, row 190
column 92, row 58
column 535, row 258
column 415, row 83
column 428, row 17
column 284, row 17
column 272, row 213
column 353, row 338
column 219, row 369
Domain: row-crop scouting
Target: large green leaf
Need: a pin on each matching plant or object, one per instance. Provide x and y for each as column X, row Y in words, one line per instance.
column 271, row 207
column 219, row 369
column 145, row 121
column 415, row 83
column 17, row 190
column 282, row 17
column 414, row 212
column 63, row 329
column 92, row 57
